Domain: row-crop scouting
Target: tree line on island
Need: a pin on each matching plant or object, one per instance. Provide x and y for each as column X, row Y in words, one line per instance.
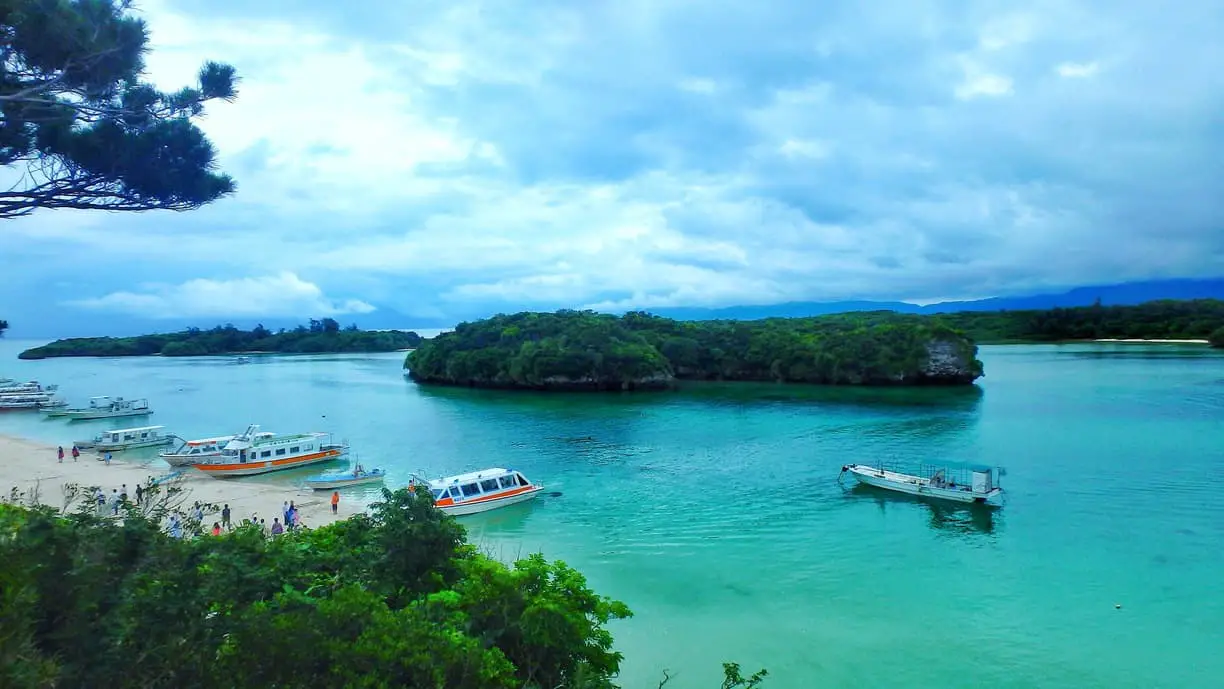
column 395, row 597
column 321, row 336
column 592, row 351
column 584, row 350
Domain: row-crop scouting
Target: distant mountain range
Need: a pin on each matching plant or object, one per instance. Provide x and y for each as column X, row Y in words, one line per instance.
column 1110, row 295
column 33, row 319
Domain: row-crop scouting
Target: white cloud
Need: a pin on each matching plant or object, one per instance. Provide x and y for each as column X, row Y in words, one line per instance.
column 1073, row 70
column 284, row 294
column 698, row 85
column 978, row 82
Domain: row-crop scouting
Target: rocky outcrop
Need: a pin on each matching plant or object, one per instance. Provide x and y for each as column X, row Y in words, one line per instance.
column 950, row 362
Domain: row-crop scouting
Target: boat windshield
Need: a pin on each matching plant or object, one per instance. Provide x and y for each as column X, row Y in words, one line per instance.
column 438, row 493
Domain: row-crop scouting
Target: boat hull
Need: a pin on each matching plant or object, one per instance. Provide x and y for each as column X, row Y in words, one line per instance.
column 901, row 483
column 82, row 415
column 185, row 460
column 491, row 503
column 267, row 466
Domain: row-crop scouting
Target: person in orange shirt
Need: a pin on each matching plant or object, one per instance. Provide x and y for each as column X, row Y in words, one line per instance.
column 216, row 530
column 335, row 500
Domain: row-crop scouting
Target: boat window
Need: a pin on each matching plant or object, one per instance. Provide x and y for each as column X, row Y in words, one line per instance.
column 489, row 485
column 470, row 489
column 266, row 453
column 438, row 493
column 309, row 447
column 454, row 492
column 522, row 481
column 507, row 481
column 280, row 451
column 144, row 435
column 295, row 449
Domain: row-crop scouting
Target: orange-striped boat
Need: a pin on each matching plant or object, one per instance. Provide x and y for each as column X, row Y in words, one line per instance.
column 254, row 452
column 481, row 491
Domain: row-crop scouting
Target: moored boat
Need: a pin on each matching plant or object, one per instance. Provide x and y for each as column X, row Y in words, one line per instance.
column 32, row 386
column 481, row 491
column 104, row 407
column 126, row 439
column 194, row 451
column 970, row 484
column 253, row 452
column 34, row 400
column 342, row 479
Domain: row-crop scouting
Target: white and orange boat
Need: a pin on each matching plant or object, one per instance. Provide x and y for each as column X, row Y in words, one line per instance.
column 481, row 491
column 253, row 452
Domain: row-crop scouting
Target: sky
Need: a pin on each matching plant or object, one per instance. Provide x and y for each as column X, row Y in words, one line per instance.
column 443, row 161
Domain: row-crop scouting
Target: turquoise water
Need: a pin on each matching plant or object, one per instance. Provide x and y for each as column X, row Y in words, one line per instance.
column 716, row 514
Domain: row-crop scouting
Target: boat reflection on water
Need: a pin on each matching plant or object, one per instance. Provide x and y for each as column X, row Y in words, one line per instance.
column 947, row 517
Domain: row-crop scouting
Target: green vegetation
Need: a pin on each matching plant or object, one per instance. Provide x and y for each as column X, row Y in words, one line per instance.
column 395, row 598
column 322, row 336
column 78, row 127
column 1164, row 319
column 1216, row 338
column 584, row 350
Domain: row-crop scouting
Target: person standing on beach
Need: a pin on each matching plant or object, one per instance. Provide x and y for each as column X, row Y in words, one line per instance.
column 76, row 454
column 335, row 500
column 277, row 529
column 225, row 516
column 61, row 454
column 108, row 458
column 139, row 494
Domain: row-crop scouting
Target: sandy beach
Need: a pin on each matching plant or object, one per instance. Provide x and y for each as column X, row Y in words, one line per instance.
column 26, row 465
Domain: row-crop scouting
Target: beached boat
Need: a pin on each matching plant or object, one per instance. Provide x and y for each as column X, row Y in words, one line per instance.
column 481, row 491
column 253, row 452
column 104, row 407
column 36, row 400
column 972, row 484
column 126, row 439
column 25, row 388
column 342, row 479
column 194, row 451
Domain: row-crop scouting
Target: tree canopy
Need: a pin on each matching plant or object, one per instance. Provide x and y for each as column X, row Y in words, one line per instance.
column 321, row 336
column 392, row 598
column 80, row 129
column 592, row 351
column 1159, row 319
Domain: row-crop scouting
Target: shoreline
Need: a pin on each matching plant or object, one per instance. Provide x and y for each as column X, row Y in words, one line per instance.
column 1138, row 340
column 28, row 464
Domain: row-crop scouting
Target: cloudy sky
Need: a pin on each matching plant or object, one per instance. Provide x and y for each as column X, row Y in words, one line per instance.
column 451, row 160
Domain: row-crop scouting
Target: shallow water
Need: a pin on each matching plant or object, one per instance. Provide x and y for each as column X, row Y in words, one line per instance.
column 717, row 515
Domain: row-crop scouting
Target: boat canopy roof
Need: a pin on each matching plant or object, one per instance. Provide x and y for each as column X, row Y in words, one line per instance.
column 209, row 441
column 134, row 430
column 471, row 476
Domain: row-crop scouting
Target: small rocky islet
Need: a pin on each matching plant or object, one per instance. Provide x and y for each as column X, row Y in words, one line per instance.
column 572, row 350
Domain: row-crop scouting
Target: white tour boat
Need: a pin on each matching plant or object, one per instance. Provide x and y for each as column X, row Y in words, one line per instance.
column 194, row 451
column 126, row 439
column 104, row 407
column 253, row 452
column 36, row 400
column 972, row 484
column 481, row 491
column 32, row 387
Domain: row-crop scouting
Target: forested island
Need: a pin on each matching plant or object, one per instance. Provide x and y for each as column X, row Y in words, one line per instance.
column 395, row 597
column 321, row 336
column 584, row 350
column 1192, row 319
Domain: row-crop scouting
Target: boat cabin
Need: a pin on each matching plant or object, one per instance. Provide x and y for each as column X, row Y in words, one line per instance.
column 477, row 484
column 253, row 445
column 203, row 446
column 127, row 436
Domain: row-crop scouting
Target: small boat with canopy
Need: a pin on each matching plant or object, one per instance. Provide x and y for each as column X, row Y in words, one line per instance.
column 356, row 476
column 968, row 483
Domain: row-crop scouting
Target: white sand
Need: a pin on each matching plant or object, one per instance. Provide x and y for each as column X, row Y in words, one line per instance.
column 26, row 464
column 1153, row 341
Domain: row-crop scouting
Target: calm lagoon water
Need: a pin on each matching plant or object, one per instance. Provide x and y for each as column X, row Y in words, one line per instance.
column 716, row 513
